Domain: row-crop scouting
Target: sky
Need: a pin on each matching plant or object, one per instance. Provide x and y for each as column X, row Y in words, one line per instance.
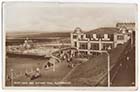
column 54, row 17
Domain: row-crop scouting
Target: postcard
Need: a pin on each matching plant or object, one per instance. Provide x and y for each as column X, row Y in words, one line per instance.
column 69, row 44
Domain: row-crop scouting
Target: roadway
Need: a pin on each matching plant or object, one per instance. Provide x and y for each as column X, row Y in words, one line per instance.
column 126, row 71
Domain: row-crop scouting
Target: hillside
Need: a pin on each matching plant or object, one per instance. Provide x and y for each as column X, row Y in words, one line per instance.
column 102, row 30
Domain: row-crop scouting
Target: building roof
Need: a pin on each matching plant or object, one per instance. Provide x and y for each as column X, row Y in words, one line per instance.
column 104, row 30
column 130, row 23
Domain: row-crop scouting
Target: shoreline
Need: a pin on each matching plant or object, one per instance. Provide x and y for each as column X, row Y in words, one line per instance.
column 26, row 55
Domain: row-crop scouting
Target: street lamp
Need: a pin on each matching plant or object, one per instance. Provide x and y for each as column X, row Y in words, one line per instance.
column 53, row 61
column 54, row 66
column 108, row 60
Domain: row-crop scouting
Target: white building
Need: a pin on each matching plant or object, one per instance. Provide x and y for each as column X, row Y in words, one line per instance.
column 97, row 42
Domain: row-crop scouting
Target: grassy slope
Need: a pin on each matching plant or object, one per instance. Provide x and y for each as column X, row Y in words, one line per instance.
column 89, row 73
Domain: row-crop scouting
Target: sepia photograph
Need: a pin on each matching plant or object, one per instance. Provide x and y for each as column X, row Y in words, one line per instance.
column 69, row 44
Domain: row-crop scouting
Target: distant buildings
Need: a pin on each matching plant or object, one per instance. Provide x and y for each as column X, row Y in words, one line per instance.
column 130, row 26
column 101, row 39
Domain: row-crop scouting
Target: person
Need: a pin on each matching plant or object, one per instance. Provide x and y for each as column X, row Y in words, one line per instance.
column 68, row 60
column 46, row 67
column 36, row 74
column 127, row 60
column 37, row 70
column 49, row 64
column 72, row 65
column 9, row 78
column 26, row 74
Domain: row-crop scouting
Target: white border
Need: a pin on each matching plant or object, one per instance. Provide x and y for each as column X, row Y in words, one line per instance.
column 72, row 88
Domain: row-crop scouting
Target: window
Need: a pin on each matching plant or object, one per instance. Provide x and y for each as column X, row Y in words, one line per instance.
column 100, row 36
column 94, row 53
column 75, row 44
column 94, row 46
column 74, row 36
column 83, row 46
column 111, row 37
column 82, row 36
column 106, row 46
column 88, row 35
column 120, row 37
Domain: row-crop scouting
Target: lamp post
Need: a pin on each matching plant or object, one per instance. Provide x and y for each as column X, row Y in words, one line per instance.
column 108, row 64
column 54, row 65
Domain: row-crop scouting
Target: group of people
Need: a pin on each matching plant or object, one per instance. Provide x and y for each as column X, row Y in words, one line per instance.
column 34, row 75
column 48, row 65
column 62, row 55
column 68, row 56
